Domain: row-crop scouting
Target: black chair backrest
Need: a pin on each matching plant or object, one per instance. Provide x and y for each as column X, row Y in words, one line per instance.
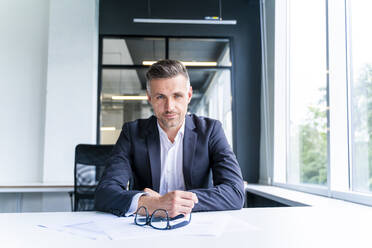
column 90, row 163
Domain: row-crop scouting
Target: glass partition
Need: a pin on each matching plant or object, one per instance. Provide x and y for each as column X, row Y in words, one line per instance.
column 125, row 62
column 132, row 51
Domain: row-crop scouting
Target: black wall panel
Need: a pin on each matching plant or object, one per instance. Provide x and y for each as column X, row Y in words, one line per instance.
column 116, row 18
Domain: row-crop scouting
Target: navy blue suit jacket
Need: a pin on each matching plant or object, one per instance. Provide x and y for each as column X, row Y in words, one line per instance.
column 210, row 167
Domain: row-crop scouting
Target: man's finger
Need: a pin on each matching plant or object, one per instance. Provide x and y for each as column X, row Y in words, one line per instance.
column 195, row 198
column 184, row 194
column 186, row 203
column 151, row 192
column 189, row 195
column 179, row 210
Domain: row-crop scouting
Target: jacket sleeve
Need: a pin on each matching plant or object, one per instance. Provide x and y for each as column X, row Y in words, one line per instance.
column 227, row 192
column 111, row 193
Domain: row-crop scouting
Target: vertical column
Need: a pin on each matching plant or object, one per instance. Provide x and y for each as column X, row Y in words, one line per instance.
column 71, row 101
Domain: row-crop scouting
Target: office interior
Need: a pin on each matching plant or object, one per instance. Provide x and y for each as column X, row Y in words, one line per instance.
column 74, row 71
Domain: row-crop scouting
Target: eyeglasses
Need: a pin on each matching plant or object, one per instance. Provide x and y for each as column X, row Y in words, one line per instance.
column 160, row 219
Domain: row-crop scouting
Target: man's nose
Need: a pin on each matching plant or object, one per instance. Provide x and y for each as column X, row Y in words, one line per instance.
column 169, row 106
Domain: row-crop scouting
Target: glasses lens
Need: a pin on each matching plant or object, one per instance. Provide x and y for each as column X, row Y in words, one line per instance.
column 159, row 219
column 141, row 216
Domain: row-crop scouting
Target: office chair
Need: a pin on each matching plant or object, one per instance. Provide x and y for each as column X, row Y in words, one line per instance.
column 89, row 166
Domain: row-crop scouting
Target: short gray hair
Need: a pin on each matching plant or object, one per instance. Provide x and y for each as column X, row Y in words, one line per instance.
column 166, row 68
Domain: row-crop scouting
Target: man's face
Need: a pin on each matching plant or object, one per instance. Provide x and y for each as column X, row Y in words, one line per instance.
column 169, row 98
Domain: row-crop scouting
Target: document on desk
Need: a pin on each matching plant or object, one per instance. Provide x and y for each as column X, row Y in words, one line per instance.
column 111, row 228
column 116, row 228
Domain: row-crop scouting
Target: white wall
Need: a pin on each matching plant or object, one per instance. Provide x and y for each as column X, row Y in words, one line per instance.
column 48, row 100
column 48, row 86
column 23, row 66
column 71, row 100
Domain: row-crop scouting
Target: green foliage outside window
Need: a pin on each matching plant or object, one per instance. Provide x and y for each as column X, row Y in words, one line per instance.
column 313, row 132
column 313, row 144
column 362, row 116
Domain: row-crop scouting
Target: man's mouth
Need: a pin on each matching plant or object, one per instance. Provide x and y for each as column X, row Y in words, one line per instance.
column 170, row 115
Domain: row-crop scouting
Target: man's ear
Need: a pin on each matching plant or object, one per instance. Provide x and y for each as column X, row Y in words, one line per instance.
column 189, row 94
column 148, row 96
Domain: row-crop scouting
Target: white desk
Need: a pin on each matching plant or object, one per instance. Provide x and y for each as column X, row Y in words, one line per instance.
column 277, row 227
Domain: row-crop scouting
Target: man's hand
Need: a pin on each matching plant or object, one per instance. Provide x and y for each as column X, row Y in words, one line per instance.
column 178, row 202
column 175, row 202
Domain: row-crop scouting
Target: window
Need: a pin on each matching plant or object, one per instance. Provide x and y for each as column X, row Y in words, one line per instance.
column 122, row 88
column 308, row 160
column 361, row 94
column 323, row 98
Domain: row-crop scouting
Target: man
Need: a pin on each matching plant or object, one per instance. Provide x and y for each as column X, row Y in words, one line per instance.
column 171, row 156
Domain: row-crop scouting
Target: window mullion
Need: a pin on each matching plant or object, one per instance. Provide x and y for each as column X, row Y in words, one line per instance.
column 338, row 104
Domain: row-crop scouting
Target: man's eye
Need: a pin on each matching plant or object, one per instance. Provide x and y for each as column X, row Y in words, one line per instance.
column 177, row 96
column 159, row 97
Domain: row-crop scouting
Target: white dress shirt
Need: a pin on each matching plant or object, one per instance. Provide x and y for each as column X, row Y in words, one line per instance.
column 171, row 160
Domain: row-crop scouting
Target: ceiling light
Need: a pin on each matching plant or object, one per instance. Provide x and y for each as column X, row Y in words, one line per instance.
column 108, row 128
column 185, row 21
column 217, row 19
column 186, row 63
column 129, row 98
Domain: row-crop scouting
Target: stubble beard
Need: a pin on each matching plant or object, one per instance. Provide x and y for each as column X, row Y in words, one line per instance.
column 171, row 123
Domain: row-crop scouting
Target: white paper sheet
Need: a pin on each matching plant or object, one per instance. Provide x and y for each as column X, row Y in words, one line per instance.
column 116, row 228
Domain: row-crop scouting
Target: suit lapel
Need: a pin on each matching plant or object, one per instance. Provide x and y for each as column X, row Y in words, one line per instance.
column 189, row 145
column 153, row 148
